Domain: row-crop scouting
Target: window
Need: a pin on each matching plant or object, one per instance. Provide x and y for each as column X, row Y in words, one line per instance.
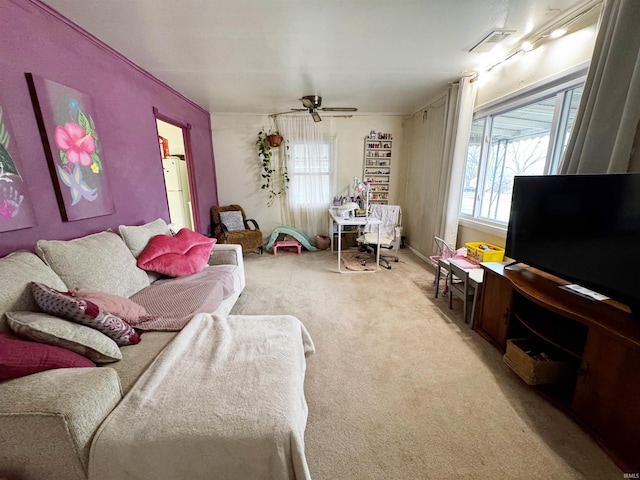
column 527, row 136
column 311, row 173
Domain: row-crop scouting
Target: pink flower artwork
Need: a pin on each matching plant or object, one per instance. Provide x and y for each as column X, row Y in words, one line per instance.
column 66, row 118
column 76, row 142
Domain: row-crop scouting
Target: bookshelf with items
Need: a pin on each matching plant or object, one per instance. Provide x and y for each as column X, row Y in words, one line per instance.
column 377, row 165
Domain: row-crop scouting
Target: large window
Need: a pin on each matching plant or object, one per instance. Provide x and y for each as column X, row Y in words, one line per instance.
column 311, row 174
column 527, row 136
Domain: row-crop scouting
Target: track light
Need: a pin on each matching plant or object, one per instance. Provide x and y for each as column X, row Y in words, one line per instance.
column 558, row 32
column 527, row 46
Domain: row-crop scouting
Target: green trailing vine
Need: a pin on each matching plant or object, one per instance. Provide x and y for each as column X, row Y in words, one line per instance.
column 275, row 177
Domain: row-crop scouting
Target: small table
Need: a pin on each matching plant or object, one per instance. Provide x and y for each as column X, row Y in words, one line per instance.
column 340, row 221
column 476, row 275
column 286, row 243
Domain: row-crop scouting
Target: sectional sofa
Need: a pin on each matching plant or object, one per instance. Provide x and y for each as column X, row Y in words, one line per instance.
column 68, row 423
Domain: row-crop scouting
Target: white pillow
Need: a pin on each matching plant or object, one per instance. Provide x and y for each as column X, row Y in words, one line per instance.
column 232, row 220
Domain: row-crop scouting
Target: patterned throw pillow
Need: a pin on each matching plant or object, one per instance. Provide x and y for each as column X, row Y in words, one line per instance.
column 51, row 330
column 63, row 304
column 232, row 220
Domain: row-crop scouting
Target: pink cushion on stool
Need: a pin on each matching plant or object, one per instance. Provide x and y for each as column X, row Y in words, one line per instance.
column 286, row 243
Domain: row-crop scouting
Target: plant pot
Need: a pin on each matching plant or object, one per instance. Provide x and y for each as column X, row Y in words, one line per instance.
column 322, row 242
column 275, row 140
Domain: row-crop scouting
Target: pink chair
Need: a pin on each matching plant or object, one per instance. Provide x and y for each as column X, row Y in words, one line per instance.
column 444, row 251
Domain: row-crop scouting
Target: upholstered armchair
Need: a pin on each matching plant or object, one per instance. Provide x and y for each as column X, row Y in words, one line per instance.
column 229, row 224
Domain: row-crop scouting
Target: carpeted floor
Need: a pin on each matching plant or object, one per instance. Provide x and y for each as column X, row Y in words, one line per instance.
column 401, row 388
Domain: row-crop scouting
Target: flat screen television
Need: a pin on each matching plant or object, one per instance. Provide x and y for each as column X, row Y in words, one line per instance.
column 582, row 228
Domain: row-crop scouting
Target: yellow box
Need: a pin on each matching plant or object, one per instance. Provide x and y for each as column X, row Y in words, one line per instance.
column 477, row 254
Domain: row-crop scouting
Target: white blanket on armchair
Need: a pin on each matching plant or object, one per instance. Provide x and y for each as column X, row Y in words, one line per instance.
column 224, row 400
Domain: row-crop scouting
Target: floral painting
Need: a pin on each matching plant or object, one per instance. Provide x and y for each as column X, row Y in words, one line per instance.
column 66, row 119
column 16, row 211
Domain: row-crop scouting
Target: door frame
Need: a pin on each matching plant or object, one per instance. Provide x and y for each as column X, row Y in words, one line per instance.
column 188, row 157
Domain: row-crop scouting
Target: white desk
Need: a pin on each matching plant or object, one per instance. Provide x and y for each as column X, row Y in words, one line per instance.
column 340, row 221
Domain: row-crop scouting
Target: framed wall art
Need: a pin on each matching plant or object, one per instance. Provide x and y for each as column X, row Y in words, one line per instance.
column 66, row 119
column 16, row 208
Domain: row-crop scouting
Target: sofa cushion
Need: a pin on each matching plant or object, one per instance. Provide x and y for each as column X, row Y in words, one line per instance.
column 51, row 330
column 19, row 358
column 17, row 271
column 185, row 254
column 100, row 262
column 126, row 309
column 63, row 304
column 136, row 237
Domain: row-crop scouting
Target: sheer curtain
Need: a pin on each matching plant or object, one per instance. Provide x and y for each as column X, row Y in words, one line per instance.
column 310, row 163
column 607, row 124
column 459, row 118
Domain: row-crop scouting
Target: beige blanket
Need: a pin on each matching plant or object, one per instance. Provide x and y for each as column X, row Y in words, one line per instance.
column 224, row 400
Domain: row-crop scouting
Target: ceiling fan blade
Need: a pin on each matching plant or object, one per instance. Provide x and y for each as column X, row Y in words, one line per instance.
column 339, row 109
column 299, row 109
column 315, row 115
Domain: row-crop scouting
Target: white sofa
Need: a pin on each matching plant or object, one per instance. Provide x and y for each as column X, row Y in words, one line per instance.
column 48, row 419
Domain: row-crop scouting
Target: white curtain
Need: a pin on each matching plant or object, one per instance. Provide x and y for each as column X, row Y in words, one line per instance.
column 310, row 163
column 607, row 129
column 462, row 97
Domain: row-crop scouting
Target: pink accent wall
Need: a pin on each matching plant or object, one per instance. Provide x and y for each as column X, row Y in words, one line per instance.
column 36, row 39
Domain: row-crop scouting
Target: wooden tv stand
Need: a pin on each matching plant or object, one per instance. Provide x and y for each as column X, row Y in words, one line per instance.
column 600, row 339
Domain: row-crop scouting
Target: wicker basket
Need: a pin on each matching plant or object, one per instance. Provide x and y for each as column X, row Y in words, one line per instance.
column 532, row 370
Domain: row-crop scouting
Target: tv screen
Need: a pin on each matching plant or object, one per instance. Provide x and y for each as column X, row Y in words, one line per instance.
column 582, row 228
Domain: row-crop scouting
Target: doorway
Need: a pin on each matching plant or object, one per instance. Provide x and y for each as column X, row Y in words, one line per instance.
column 176, row 174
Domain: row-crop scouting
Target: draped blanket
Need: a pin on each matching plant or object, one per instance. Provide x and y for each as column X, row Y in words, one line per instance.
column 223, row 400
column 172, row 303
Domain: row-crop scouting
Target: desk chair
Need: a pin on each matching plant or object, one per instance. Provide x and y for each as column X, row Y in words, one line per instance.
column 460, row 286
column 390, row 233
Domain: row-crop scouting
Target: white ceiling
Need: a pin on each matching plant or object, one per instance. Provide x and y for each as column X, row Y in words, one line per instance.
column 261, row 56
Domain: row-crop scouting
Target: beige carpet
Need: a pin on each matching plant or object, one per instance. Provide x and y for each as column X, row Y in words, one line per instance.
column 401, row 388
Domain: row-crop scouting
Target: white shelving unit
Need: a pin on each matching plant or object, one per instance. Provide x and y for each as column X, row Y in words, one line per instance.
column 377, row 166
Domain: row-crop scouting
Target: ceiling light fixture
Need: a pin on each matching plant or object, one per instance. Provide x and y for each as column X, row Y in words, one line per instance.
column 558, row 32
column 527, row 46
column 551, row 30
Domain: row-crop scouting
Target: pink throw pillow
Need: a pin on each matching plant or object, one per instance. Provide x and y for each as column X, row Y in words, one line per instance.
column 122, row 307
column 64, row 305
column 19, row 358
column 185, row 254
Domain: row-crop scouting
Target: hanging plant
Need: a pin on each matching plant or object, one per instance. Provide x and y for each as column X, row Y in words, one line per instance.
column 275, row 178
column 275, row 139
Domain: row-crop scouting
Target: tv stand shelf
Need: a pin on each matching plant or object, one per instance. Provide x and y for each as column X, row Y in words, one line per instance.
column 601, row 339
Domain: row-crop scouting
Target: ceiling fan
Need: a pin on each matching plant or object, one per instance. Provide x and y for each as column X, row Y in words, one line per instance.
column 312, row 103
